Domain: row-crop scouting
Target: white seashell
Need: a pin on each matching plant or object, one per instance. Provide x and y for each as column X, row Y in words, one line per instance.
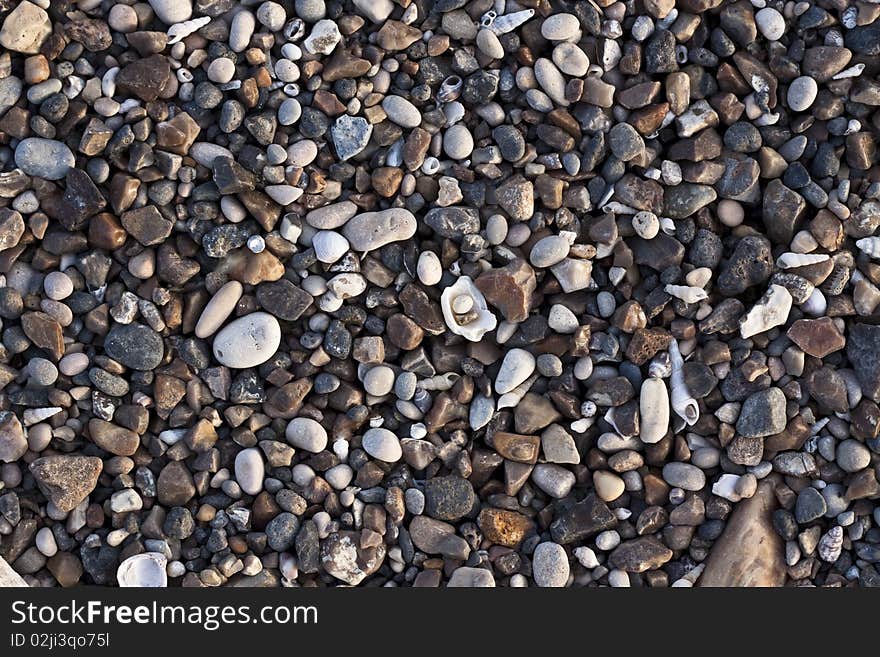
column 851, row 72
column 870, row 246
column 831, row 544
column 485, row 320
column 439, row 382
column 508, row 22
column 514, row 397
column 790, row 260
column 614, row 207
column 179, row 31
column 146, row 570
column 816, row 304
column 726, row 487
column 653, row 410
column 667, row 225
column 771, row 310
column 683, row 404
column 687, row 293
column 609, row 418
column 450, row 89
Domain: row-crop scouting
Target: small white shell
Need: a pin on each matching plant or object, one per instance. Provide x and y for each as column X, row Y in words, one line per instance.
column 146, row 570
column 683, row 404
column 179, row 31
column 687, row 293
column 653, row 410
column 870, row 246
column 439, row 382
column 771, row 310
column 485, row 320
column 508, row 22
column 790, row 260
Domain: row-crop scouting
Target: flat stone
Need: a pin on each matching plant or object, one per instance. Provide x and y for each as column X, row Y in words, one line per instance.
column 503, row 527
column 762, row 414
column 145, row 78
column 25, row 28
column 372, row 230
column 135, row 345
column 817, row 337
column 640, row 554
column 448, row 498
column 550, row 565
column 861, row 349
column 582, row 521
column 44, row 158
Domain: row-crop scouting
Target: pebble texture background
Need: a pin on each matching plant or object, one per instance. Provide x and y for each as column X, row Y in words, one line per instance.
column 440, row 293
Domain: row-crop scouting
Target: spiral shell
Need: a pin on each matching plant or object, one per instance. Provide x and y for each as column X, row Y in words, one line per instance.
column 439, row 382
column 450, row 89
column 831, row 544
column 146, row 570
column 683, row 404
column 508, row 22
column 179, row 31
column 687, row 293
column 870, row 246
column 484, row 322
column 790, row 260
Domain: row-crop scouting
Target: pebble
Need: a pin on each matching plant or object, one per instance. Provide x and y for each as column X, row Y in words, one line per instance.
column 218, row 309
column 44, row 158
column 802, row 93
column 401, row 111
column 369, row 231
column 550, row 566
column 248, row 341
column 249, row 470
column 172, row 11
column 458, row 142
column 382, row 444
column 305, row 433
column 517, row 366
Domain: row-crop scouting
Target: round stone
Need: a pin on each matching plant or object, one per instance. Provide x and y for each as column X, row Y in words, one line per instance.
column 221, row 70
column 379, row 380
column 853, row 455
column 248, row 341
column 684, row 475
column 58, row 285
column 382, row 444
column 73, row 364
column 306, row 433
column 550, row 565
column 401, row 111
column 608, row 485
column 122, row 18
column 802, row 93
column 42, row 372
column 571, row 60
column 218, row 309
column 549, row 251
column 458, row 143
column 770, row 23
column 560, row 27
column 249, row 470
column 428, row 268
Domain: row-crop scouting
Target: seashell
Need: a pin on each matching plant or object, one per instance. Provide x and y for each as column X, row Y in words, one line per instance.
column 683, row 404
column 514, row 397
column 179, row 31
column 851, row 72
column 816, row 304
column 145, row 570
column 687, row 293
column 771, row 310
column 295, row 29
column 615, row 207
column 653, row 410
column 450, row 89
column 611, row 418
column 488, row 18
column 35, row 415
column 484, row 322
column 508, row 22
column 831, row 544
column 667, row 225
column 439, row 382
column 726, row 487
column 870, row 246
column 790, row 260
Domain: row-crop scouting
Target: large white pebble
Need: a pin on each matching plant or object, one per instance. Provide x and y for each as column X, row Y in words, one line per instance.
column 249, row 470
column 382, row 444
column 429, row 268
column 218, row 309
column 306, row 433
column 248, row 341
column 329, row 246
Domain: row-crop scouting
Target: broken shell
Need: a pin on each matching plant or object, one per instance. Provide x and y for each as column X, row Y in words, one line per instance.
column 508, row 22
column 450, row 89
column 484, row 322
column 831, row 544
column 683, row 404
column 790, row 260
column 771, row 310
column 439, row 382
column 653, row 410
column 179, row 31
column 146, row 570
column 870, row 246
column 687, row 293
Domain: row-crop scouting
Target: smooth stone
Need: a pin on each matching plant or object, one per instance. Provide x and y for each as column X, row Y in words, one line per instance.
column 402, row 112
column 379, row 381
column 249, row 470
column 549, row 251
column 172, row 11
column 550, row 565
column 382, row 444
column 458, row 142
column 553, row 479
column 517, row 366
column 330, row 217
column 467, row 577
column 684, row 475
column 205, row 153
column 44, row 158
column 372, row 230
column 770, row 23
column 135, row 345
column 306, row 433
column 560, row 27
column 802, row 93
column 571, row 60
column 551, row 81
column 248, row 341
column 218, row 309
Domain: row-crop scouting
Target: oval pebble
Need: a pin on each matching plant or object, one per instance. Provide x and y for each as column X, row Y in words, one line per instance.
column 306, row 433
column 249, row 470
column 382, row 444
column 248, row 341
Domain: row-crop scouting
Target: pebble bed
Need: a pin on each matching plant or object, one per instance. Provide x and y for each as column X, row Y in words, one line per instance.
column 440, row 293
